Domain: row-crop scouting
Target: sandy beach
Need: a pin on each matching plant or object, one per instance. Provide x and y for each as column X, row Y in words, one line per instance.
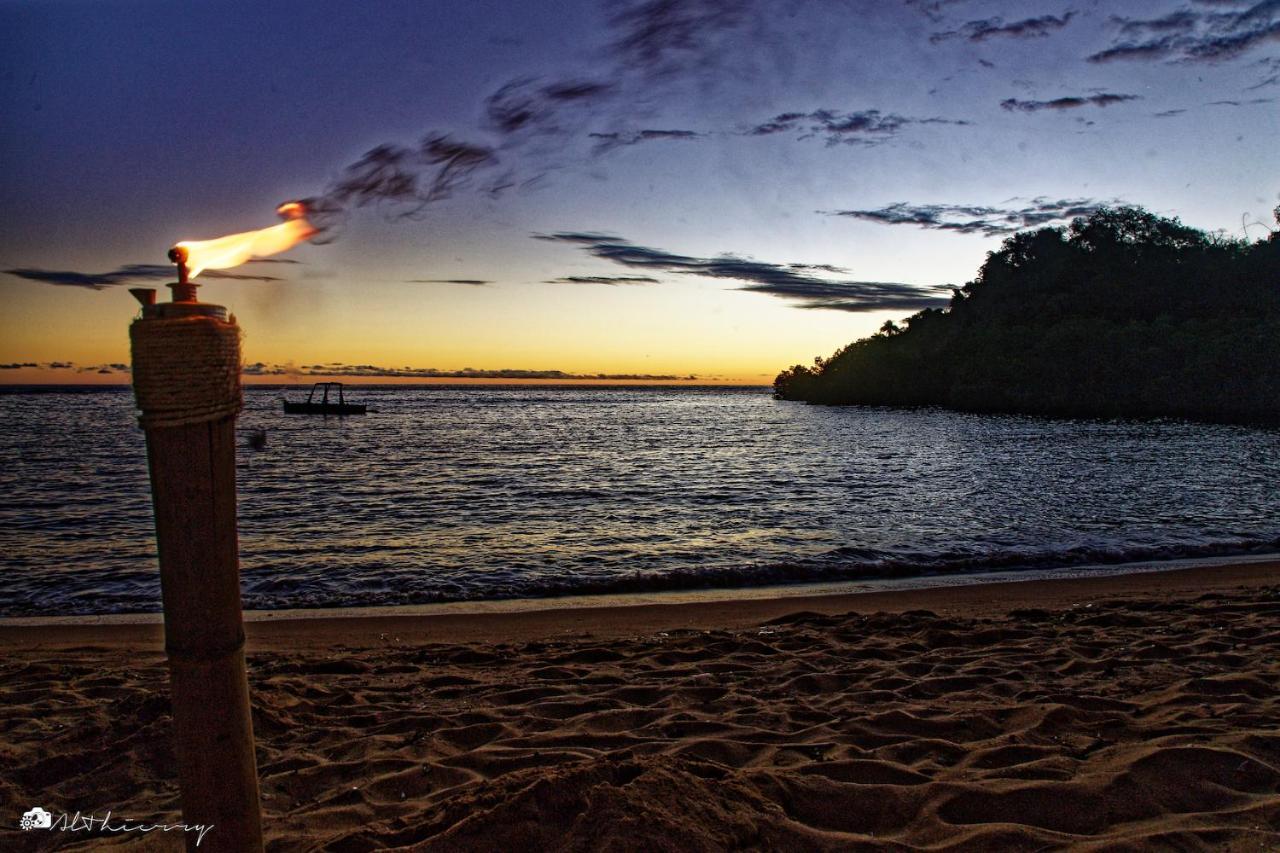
column 1122, row 713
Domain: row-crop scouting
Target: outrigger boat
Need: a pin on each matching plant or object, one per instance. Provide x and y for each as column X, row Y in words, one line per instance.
column 323, row 406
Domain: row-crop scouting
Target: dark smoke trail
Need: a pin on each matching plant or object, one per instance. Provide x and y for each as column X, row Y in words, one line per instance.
column 532, row 121
column 412, row 178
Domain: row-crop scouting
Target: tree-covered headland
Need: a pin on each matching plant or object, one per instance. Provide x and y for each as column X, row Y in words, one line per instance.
column 1123, row 314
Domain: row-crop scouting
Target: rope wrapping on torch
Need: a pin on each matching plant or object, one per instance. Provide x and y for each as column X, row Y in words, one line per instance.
column 186, row 370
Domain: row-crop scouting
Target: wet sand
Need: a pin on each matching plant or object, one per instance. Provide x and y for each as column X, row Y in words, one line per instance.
column 1123, row 712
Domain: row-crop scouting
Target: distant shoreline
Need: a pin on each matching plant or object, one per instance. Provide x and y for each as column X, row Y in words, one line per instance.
column 493, row 384
column 1125, row 314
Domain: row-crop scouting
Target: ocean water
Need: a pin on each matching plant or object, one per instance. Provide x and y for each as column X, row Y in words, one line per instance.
column 463, row 493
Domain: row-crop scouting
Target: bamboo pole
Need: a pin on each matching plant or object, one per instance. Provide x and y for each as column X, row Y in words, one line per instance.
column 186, row 363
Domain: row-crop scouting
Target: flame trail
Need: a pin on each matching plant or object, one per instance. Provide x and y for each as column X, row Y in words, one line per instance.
column 235, row 249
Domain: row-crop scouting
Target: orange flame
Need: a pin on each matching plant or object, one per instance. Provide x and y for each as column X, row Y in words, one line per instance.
column 234, row 249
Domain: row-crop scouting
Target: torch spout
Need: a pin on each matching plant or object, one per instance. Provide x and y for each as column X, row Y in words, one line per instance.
column 184, row 289
column 185, row 303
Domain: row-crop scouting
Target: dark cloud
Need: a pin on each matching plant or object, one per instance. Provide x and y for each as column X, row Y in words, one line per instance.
column 103, row 369
column 375, row 371
column 981, row 30
column 1105, row 99
column 1181, row 21
column 523, row 105
column 780, row 124
column 662, row 38
column 1191, row 35
column 1157, row 49
column 832, row 123
column 127, row 274
column 473, row 282
column 976, row 219
column 603, row 279
column 1230, row 46
column 1169, row 113
column 259, row 368
column 861, row 127
column 834, row 270
column 608, row 141
column 857, row 296
column 787, row 281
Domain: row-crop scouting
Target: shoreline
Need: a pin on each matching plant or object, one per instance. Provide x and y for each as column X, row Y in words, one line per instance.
column 802, row 589
column 590, row 616
column 882, row 583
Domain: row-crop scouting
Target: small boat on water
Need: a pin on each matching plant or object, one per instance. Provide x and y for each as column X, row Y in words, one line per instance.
column 324, row 406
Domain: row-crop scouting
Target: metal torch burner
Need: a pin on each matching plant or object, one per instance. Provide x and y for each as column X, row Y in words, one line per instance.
column 185, row 303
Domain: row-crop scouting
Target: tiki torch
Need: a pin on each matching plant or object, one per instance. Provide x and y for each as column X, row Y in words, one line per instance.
column 186, row 380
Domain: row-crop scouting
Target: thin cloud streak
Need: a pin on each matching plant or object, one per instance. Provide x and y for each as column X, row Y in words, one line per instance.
column 376, row 371
column 260, row 368
column 979, row 219
column 603, row 279
column 127, row 274
column 1067, row 103
column 981, row 30
column 786, row 281
column 861, row 127
column 610, row 141
column 1234, row 103
column 104, row 369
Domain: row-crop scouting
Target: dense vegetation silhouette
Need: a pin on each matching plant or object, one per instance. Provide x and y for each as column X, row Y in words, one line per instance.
column 1123, row 314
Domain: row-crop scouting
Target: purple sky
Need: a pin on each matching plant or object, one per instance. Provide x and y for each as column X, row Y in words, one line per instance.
column 716, row 188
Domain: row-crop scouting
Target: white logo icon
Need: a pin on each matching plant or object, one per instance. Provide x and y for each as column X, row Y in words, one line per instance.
column 37, row 818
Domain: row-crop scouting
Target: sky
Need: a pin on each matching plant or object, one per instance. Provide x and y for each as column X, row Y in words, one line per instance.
column 581, row 190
